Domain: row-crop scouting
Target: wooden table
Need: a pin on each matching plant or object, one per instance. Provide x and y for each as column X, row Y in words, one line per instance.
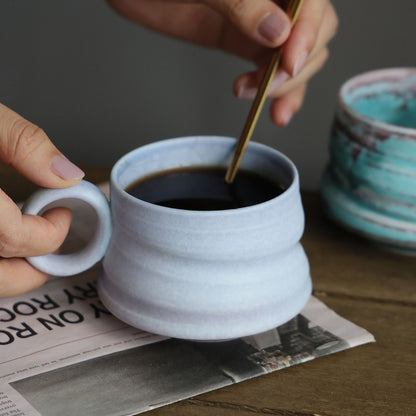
column 373, row 288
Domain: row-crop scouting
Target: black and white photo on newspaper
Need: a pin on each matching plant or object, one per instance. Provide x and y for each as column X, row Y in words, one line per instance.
column 60, row 342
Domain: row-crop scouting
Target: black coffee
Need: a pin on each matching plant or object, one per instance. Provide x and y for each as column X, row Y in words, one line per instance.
column 204, row 189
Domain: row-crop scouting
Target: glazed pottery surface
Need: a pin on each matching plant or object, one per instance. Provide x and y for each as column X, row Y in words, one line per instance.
column 369, row 185
column 204, row 275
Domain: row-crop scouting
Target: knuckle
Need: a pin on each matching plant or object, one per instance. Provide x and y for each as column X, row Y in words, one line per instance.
column 11, row 244
column 24, row 138
column 235, row 8
column 334, row 20
column 320, row 61
column 325, row 55
column 298, row 97
column 300, row 100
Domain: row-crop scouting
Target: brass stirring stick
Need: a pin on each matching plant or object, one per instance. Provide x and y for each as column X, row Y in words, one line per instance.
column 292, row 12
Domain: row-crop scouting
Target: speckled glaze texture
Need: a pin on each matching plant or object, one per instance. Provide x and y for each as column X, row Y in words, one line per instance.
column 369, row 185
column 205, row 275
column 201, row 275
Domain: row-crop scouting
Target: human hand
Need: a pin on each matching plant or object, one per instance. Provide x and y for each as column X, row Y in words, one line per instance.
column 28, row 149
column 249, row 29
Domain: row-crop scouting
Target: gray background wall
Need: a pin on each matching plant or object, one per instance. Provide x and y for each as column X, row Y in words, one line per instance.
column 100, row 85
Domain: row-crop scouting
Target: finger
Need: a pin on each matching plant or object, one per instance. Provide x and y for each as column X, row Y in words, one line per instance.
column 18, row 276
column 307, row 72
column 190, row 22
column 260, row 20
column 316, row 26
column 28, row 149
column 30, row 235
column 246, row 85
column 283, row 109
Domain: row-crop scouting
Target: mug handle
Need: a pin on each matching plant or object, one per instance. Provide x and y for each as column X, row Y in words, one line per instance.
column 73, row 263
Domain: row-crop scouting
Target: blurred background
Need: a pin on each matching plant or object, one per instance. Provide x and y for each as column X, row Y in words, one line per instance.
column 100, row 85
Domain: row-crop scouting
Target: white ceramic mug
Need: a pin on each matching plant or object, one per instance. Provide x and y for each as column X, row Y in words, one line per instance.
column 202, row 275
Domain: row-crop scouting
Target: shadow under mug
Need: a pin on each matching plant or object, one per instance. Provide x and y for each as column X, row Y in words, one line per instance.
column 200, row 275
column 369, row 185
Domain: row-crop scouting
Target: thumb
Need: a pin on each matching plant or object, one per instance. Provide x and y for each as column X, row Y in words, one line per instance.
column 261, row 20
column 28, row 149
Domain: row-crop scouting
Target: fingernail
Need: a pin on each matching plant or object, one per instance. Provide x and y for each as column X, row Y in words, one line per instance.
column 272, row 26
column 279, row 79
column 65, row 169
column 285, row 119
column 246, row 93
column 300, row 63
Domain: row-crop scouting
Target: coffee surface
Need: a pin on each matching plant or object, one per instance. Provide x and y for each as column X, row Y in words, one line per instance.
column 204, row 189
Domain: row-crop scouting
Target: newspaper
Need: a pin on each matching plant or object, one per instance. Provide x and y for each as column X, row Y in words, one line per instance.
column 62, row 353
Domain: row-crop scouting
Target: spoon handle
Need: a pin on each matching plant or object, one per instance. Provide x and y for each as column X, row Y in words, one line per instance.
column 292, row 12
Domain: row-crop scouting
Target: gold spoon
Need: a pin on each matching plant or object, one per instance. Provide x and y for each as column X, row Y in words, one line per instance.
column 292, row 12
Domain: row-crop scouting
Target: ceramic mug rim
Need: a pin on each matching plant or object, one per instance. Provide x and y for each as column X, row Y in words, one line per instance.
column 378, row 74
column 121, row 164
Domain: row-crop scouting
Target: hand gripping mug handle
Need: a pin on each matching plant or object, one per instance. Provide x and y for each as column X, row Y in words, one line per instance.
column 73, row 263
